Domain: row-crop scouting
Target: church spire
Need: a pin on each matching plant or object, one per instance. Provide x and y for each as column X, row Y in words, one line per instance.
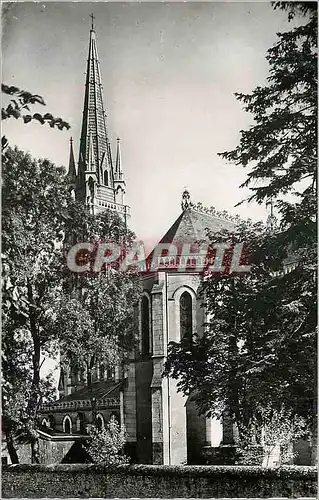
column 94, row 116
column 97, row 185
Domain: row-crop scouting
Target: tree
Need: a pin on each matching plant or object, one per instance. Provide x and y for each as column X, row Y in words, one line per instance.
column 95, row 315
column 260, row 343
column 35, row 202
column 40, row 222
column 105, row 446
column 280, row 149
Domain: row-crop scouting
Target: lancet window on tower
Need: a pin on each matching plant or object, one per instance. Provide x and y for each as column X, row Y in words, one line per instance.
column 91, row 187
column 106, row 178
column 186, row 316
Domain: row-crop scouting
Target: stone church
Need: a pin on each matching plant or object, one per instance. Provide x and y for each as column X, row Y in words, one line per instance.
column 162, row 426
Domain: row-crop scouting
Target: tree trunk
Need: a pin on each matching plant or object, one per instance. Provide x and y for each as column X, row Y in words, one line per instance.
column 33, row 403
column 11, row 448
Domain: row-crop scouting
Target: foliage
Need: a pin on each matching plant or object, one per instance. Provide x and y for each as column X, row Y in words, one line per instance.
column 160, row 481
column 259, row 345
column 274, row 442
column 95, row 315
column 106, row 445
column 35, row 200
column 45, row 306
column 20, row 102
column 280, row 149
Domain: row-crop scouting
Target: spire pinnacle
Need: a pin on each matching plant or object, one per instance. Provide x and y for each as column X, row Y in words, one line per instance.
column 118, row 167
column 71, row 171
column 271, row 219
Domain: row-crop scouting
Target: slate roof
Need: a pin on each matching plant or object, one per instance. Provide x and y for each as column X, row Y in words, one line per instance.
column 192, row 225
column 99, row 390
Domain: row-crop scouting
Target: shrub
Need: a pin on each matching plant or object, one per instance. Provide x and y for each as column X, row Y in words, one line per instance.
column 105, row 446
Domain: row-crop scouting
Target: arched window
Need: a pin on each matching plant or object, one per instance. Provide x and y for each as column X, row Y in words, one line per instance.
column 186, row 316
column 102, row 372
column 44, row 423
column 99, row 421
column 106, row 178
column 145, row 326
column 72, row 193
column 67, row 425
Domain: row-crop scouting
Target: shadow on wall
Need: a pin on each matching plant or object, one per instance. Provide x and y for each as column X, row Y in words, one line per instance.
column 77, row 454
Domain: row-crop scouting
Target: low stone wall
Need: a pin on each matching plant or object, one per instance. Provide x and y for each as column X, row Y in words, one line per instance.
column 81, row 480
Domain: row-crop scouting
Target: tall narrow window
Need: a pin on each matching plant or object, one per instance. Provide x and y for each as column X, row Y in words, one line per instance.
column 99, row 422
column 186, row 316
column 145, row 323
column 106, row 178
column 91, row 187
column 67, row 425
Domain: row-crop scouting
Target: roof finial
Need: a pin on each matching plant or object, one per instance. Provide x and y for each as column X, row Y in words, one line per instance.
column 186, row 200
column 92, row 22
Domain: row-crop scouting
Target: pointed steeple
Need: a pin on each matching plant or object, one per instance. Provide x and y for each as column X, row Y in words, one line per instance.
column 72, row 170
column 94, row 116
column 97, row 184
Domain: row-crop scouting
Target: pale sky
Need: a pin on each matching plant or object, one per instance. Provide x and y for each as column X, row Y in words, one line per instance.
column 169, row 72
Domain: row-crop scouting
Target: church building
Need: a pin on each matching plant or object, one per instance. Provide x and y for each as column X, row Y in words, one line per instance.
column 163, row 427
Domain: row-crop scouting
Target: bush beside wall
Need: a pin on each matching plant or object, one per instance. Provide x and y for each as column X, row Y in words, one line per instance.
column 86, row 480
